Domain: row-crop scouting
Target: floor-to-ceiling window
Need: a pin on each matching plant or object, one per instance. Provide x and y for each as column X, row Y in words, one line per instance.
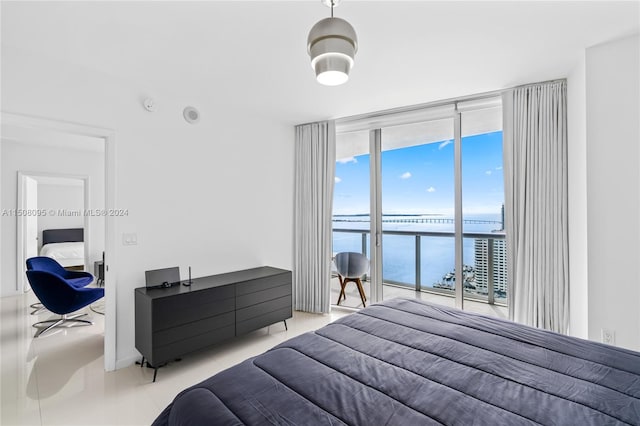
column 482, row 185
column 351, row 202
column 428, row 186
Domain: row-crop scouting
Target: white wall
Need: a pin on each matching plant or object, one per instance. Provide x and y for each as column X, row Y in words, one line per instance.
column 613, row 189
column 60, row 197
column 577, row 202
column 27, row 157
column 217, row 196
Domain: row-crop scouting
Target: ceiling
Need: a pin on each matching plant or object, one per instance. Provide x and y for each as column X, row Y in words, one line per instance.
column 252, row 56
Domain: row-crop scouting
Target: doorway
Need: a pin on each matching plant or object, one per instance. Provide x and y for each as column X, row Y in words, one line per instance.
column 53, row 133
column 56, row 201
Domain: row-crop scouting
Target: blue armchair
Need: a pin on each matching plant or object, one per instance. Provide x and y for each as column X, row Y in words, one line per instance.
column 62, row 298
column 44, row 263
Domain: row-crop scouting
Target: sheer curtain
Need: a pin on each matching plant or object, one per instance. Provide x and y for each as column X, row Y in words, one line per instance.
column 314, row 179
column 535, row 173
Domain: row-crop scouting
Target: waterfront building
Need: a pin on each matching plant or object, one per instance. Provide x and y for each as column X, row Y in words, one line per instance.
column 499, row 262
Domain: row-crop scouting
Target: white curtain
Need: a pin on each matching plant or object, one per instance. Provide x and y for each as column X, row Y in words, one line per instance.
column 535, row 173
column 314, row 179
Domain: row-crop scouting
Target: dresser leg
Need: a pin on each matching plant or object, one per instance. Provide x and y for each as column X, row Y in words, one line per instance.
column 155, row 369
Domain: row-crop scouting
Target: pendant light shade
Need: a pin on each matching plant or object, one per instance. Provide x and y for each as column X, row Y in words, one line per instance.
column 332, row 45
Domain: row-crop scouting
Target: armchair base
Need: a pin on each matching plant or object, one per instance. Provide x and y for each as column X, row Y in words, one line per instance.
column 37, row 308
column 65, row 320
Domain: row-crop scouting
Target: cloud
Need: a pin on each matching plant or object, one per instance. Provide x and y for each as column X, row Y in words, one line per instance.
column 488, row 172
column 405, row 175
column 499, row 168
column 445, row 143
column 431, row 189
column 347, row 160
column 338, row 180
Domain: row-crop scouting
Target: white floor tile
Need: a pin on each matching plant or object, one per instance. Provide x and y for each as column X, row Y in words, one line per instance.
column 389, row 292
column 59, row 378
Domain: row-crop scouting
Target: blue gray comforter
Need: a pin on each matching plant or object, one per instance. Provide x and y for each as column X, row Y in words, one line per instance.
column 405, row 362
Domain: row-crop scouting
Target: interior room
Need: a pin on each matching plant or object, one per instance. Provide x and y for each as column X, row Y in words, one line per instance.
column 62, row 187
column 186, row 120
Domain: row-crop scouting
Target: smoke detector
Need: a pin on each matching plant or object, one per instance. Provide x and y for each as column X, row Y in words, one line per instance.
column 191, row 115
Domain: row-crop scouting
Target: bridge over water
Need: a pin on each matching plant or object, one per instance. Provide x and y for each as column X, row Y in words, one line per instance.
column 416, row 220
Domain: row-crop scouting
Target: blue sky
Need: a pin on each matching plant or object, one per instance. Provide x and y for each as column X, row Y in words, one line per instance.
column 420, row 179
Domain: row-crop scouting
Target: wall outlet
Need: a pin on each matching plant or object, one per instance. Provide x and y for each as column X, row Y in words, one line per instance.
column 608, row 336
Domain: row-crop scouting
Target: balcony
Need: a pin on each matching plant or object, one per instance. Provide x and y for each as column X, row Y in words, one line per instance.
column 415, row 266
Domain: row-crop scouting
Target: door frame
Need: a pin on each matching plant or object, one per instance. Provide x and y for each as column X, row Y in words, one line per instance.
column 375, row 214
column 22, row 223
column 375, row 183
column 111, row 226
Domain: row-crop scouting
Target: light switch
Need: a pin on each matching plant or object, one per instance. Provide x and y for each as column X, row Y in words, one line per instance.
column 129, row 239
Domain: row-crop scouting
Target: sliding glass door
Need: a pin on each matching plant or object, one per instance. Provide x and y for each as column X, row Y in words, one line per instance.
column 418, row 203
column 422, row 195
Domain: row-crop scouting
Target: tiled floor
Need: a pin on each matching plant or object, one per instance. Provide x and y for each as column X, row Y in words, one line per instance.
column 389, row 292
column 59, row 378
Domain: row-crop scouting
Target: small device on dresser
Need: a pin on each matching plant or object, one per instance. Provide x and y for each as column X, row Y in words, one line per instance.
column 162, row 278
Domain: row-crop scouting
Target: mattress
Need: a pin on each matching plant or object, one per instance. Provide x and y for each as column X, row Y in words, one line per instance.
column 406, row 362
column 66, row 254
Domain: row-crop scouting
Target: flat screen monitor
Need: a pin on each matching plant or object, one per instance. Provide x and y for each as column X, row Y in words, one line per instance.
column 162, row 277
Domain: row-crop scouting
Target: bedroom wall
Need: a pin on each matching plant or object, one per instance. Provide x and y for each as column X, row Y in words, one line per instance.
column 613, row 189
column 577, row 177
column 64, row 197
column 216, row 196
column 21, row 156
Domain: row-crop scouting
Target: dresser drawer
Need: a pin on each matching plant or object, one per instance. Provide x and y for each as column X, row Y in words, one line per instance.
column 252, row 286
column 243, row 327
column 263, row 296
column 191, row 300
column 165, row 317
column 174, row 350
column 192, row 329
column 263, row 308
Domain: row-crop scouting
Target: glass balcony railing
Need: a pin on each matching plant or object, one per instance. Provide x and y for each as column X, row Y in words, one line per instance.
column 423, row 261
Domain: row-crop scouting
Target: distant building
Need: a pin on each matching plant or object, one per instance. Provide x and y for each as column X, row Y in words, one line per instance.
column 482, row 266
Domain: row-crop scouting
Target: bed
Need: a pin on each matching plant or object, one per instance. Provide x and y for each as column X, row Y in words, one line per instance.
column 66, row 246
column 406, row 362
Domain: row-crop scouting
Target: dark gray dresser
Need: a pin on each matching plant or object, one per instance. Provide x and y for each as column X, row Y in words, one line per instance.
column 171, row 322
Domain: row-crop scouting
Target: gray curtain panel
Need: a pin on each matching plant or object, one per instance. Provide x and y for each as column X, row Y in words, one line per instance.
column 314, row 179
column 535, row 173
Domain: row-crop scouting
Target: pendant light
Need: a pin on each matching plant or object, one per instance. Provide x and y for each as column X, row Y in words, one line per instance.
column 332, row 45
